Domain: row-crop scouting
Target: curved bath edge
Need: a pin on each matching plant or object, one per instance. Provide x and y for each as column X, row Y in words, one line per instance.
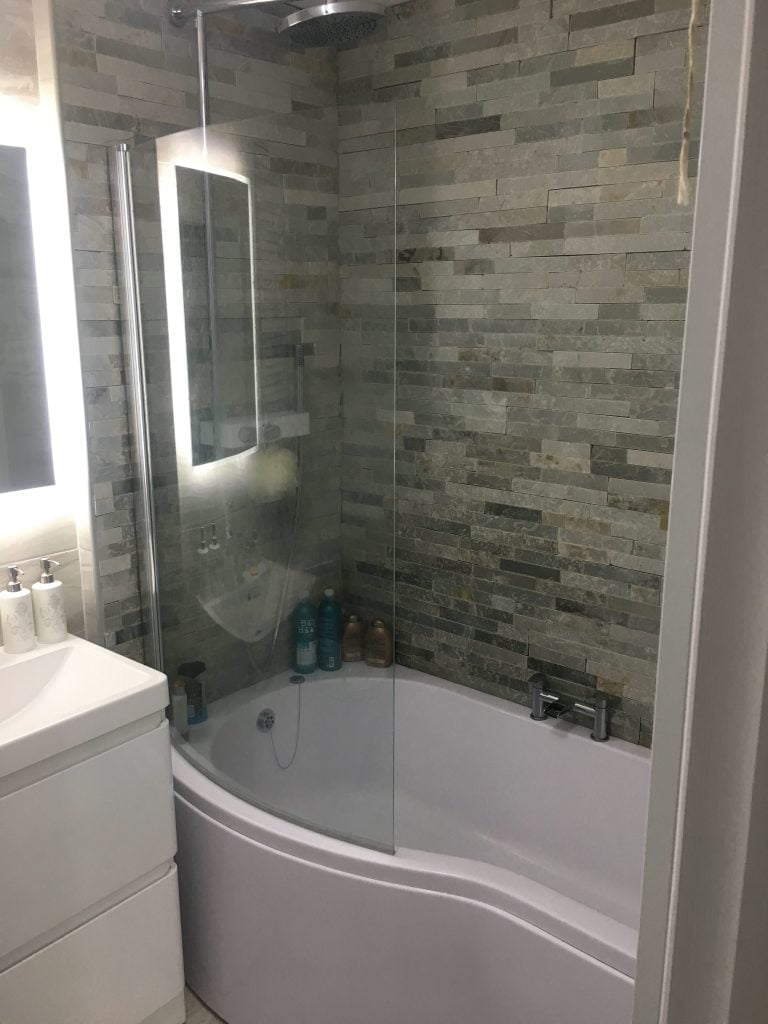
column 304, row 942
column 583, row 930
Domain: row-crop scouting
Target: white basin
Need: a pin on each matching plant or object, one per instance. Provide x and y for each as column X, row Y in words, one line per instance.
column 62, row 695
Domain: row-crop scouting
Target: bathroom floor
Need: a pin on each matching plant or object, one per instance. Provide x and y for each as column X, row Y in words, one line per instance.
column 197, row 1012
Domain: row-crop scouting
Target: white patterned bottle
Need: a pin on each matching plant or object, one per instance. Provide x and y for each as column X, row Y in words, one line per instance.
column 48, row 599
column 16, row 619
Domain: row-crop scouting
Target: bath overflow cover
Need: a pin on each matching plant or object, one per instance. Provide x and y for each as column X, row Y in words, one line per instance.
column 266, row 720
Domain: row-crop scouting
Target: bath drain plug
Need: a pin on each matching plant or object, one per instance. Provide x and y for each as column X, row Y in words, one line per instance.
column 266, row 720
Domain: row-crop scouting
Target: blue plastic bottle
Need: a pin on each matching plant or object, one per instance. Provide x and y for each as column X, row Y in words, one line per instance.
column 305, row 637
column 197, row 710
column 329, row 633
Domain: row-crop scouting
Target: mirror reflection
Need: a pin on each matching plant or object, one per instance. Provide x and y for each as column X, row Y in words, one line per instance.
column 25, row 442
column 214, row 223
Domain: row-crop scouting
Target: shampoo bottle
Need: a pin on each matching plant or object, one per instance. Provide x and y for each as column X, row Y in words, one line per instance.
column 329, row 633
column 305, row 637
column 180, row 708
column 378, row 645
column 48, row 602
column 197, row 709
column 16, row 615
column 352, row 640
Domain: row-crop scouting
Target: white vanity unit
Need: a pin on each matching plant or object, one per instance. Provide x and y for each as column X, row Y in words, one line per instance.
column 89, row 912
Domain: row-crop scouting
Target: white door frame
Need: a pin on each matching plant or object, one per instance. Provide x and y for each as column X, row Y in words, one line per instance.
column 703, row 953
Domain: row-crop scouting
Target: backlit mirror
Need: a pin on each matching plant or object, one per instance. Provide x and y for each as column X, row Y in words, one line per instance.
column 25, row 441
column 217, row 282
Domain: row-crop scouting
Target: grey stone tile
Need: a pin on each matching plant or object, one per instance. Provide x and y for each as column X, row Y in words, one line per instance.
column 614, row 13
column 593, row 72
column 540, row 266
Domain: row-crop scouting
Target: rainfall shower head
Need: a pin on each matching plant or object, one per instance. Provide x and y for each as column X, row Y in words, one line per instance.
column 330, row 24
column 334, row 23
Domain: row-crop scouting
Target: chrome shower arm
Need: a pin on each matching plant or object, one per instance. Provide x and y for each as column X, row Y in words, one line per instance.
column 180, row 13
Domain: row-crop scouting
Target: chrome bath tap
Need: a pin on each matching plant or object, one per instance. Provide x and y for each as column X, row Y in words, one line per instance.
column 552, row 705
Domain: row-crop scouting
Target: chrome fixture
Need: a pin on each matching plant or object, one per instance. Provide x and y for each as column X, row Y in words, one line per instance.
column 331, row 24
column 552, row 705
column 180, row 12
column 298, row 358
column 266, row 720
column 339, row 21
column 328, row 24
column 139, row 397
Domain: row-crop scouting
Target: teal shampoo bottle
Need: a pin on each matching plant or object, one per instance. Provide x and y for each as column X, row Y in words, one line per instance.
column 329, row 633
column 197, row 709
column 305, row 637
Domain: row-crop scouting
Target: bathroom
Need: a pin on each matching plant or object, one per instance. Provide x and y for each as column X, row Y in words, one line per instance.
column 378, row 312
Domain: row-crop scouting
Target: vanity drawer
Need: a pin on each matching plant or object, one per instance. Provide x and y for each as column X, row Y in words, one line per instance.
column 118, row 968
column 83, row 834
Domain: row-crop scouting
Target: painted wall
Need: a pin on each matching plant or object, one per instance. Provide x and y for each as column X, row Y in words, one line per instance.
column 52, row 521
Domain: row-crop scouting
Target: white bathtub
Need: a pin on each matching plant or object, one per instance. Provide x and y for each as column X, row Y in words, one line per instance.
column 513, row 893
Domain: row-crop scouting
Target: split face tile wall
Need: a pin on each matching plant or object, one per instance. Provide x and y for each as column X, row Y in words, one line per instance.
column 541, row 286
column 118, row 78
column 218, row 603
column 127, row 74
column 538, row 262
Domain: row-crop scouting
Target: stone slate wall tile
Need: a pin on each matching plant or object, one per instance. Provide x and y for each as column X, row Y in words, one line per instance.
column 126, row 74
column 533, row 445
column 540, row 269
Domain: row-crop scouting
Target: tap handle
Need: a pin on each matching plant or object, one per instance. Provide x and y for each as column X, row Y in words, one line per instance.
column 538, row 682
column 601, row 726
column 558, row 708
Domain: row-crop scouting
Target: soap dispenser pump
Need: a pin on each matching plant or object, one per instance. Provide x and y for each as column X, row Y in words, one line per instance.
column 48, row 601
column 16, row 615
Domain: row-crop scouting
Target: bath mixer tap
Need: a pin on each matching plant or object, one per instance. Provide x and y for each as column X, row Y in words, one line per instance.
column 558, row 708
column 552, row 705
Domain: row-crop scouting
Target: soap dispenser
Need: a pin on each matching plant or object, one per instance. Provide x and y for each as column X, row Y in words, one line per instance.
column 16, row 615
column 48, row 601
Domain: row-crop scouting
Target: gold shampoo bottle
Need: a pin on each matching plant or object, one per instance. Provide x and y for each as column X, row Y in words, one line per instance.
column 378, row 645
column 352, row 640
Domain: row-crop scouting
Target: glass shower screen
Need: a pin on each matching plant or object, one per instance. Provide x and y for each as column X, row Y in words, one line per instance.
column 248, row 350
